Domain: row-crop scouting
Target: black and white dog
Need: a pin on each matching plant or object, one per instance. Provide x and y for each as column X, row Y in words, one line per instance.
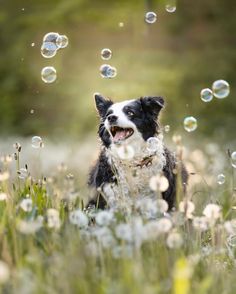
column 125, row 164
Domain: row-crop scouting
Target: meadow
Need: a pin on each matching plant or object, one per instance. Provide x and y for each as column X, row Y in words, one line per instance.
column 50, row 241
column 51, row 244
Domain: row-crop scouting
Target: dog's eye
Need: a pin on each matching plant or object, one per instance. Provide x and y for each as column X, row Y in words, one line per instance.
column 130, row 113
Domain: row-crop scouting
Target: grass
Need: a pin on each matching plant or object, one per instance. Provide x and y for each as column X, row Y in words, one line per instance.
column 49, row 244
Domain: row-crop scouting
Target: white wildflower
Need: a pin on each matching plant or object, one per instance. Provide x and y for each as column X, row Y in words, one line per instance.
column 164, row 225
column 3, row 196
column 53, row 219
column 159, row 183
column 26, row 204
column 147, row 207
column 174, row 240
column 104, row 218
column 212, row 212
column 4, row 176
column 162, row 205
column 200, row 223
column 78, row 218
column 4, row 272
column 124, row 232
column 108, row 241
column 30, row 227
column 187, row 207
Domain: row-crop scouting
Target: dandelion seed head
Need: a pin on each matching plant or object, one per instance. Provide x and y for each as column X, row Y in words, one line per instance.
column 164, row 225
column 159, row 183
column 187, row 207
column 78, row 218
column 174, row 240
column 200, row 223
column 26, row 204
column 212, row 211
column 104, row 218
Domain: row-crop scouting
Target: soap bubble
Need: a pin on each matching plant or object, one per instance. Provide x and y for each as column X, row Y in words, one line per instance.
column 221, row 179
column 152, row 144
column 48, row 49
column 220, row 89
column 106, row 54
column 108, row 71
column 32, row 44
column 190, row 124
column 166, row 128
column 51, row 37
column 22, row 173
column 37, row 142
column 170, row 6
column 62, row 41
column 150, row 17
column 49, row 74
column 233, row 159
column 206, row 95
column 125, row 152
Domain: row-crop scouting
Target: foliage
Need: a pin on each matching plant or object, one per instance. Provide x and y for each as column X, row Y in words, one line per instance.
column 176, row 57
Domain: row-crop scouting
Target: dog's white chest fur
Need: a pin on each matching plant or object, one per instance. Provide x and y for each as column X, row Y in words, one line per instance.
column 133, row 175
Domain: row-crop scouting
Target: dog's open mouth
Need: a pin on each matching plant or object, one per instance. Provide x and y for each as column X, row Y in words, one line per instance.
column 120, row 134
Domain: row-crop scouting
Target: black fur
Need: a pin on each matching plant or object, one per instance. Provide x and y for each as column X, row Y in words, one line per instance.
column 145, row 112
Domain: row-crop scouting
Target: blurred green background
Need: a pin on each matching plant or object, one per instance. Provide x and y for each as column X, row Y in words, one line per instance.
column 176, row 57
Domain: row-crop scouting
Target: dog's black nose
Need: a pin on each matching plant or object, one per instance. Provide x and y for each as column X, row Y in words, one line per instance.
column 112, row 118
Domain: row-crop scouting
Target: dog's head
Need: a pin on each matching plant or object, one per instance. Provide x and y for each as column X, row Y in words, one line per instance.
column 128, row 121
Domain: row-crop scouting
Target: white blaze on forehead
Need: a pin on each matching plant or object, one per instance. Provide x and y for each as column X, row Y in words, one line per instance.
column 117, row 110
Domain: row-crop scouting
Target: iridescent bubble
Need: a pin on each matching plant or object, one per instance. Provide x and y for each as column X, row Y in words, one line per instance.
column 190, row 124
column 62, row 41
column 125, row 152
column 150, row 17
column 49, row 74
column 22, row 173
column 106, row 54
column 221, row 179
column 170, row 6
column 221, row 89
column 233, row 159
column 108, row 71
column 166, row 128
column 51, row 37
column 206, row 95
column 152, row 144
column 37, row 142
column 48, row 49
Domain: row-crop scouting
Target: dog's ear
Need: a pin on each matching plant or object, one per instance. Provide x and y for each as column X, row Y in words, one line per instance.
column 152, row 105
column 102, row 104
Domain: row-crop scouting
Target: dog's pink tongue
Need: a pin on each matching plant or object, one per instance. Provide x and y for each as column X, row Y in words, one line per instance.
column 120, row 135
